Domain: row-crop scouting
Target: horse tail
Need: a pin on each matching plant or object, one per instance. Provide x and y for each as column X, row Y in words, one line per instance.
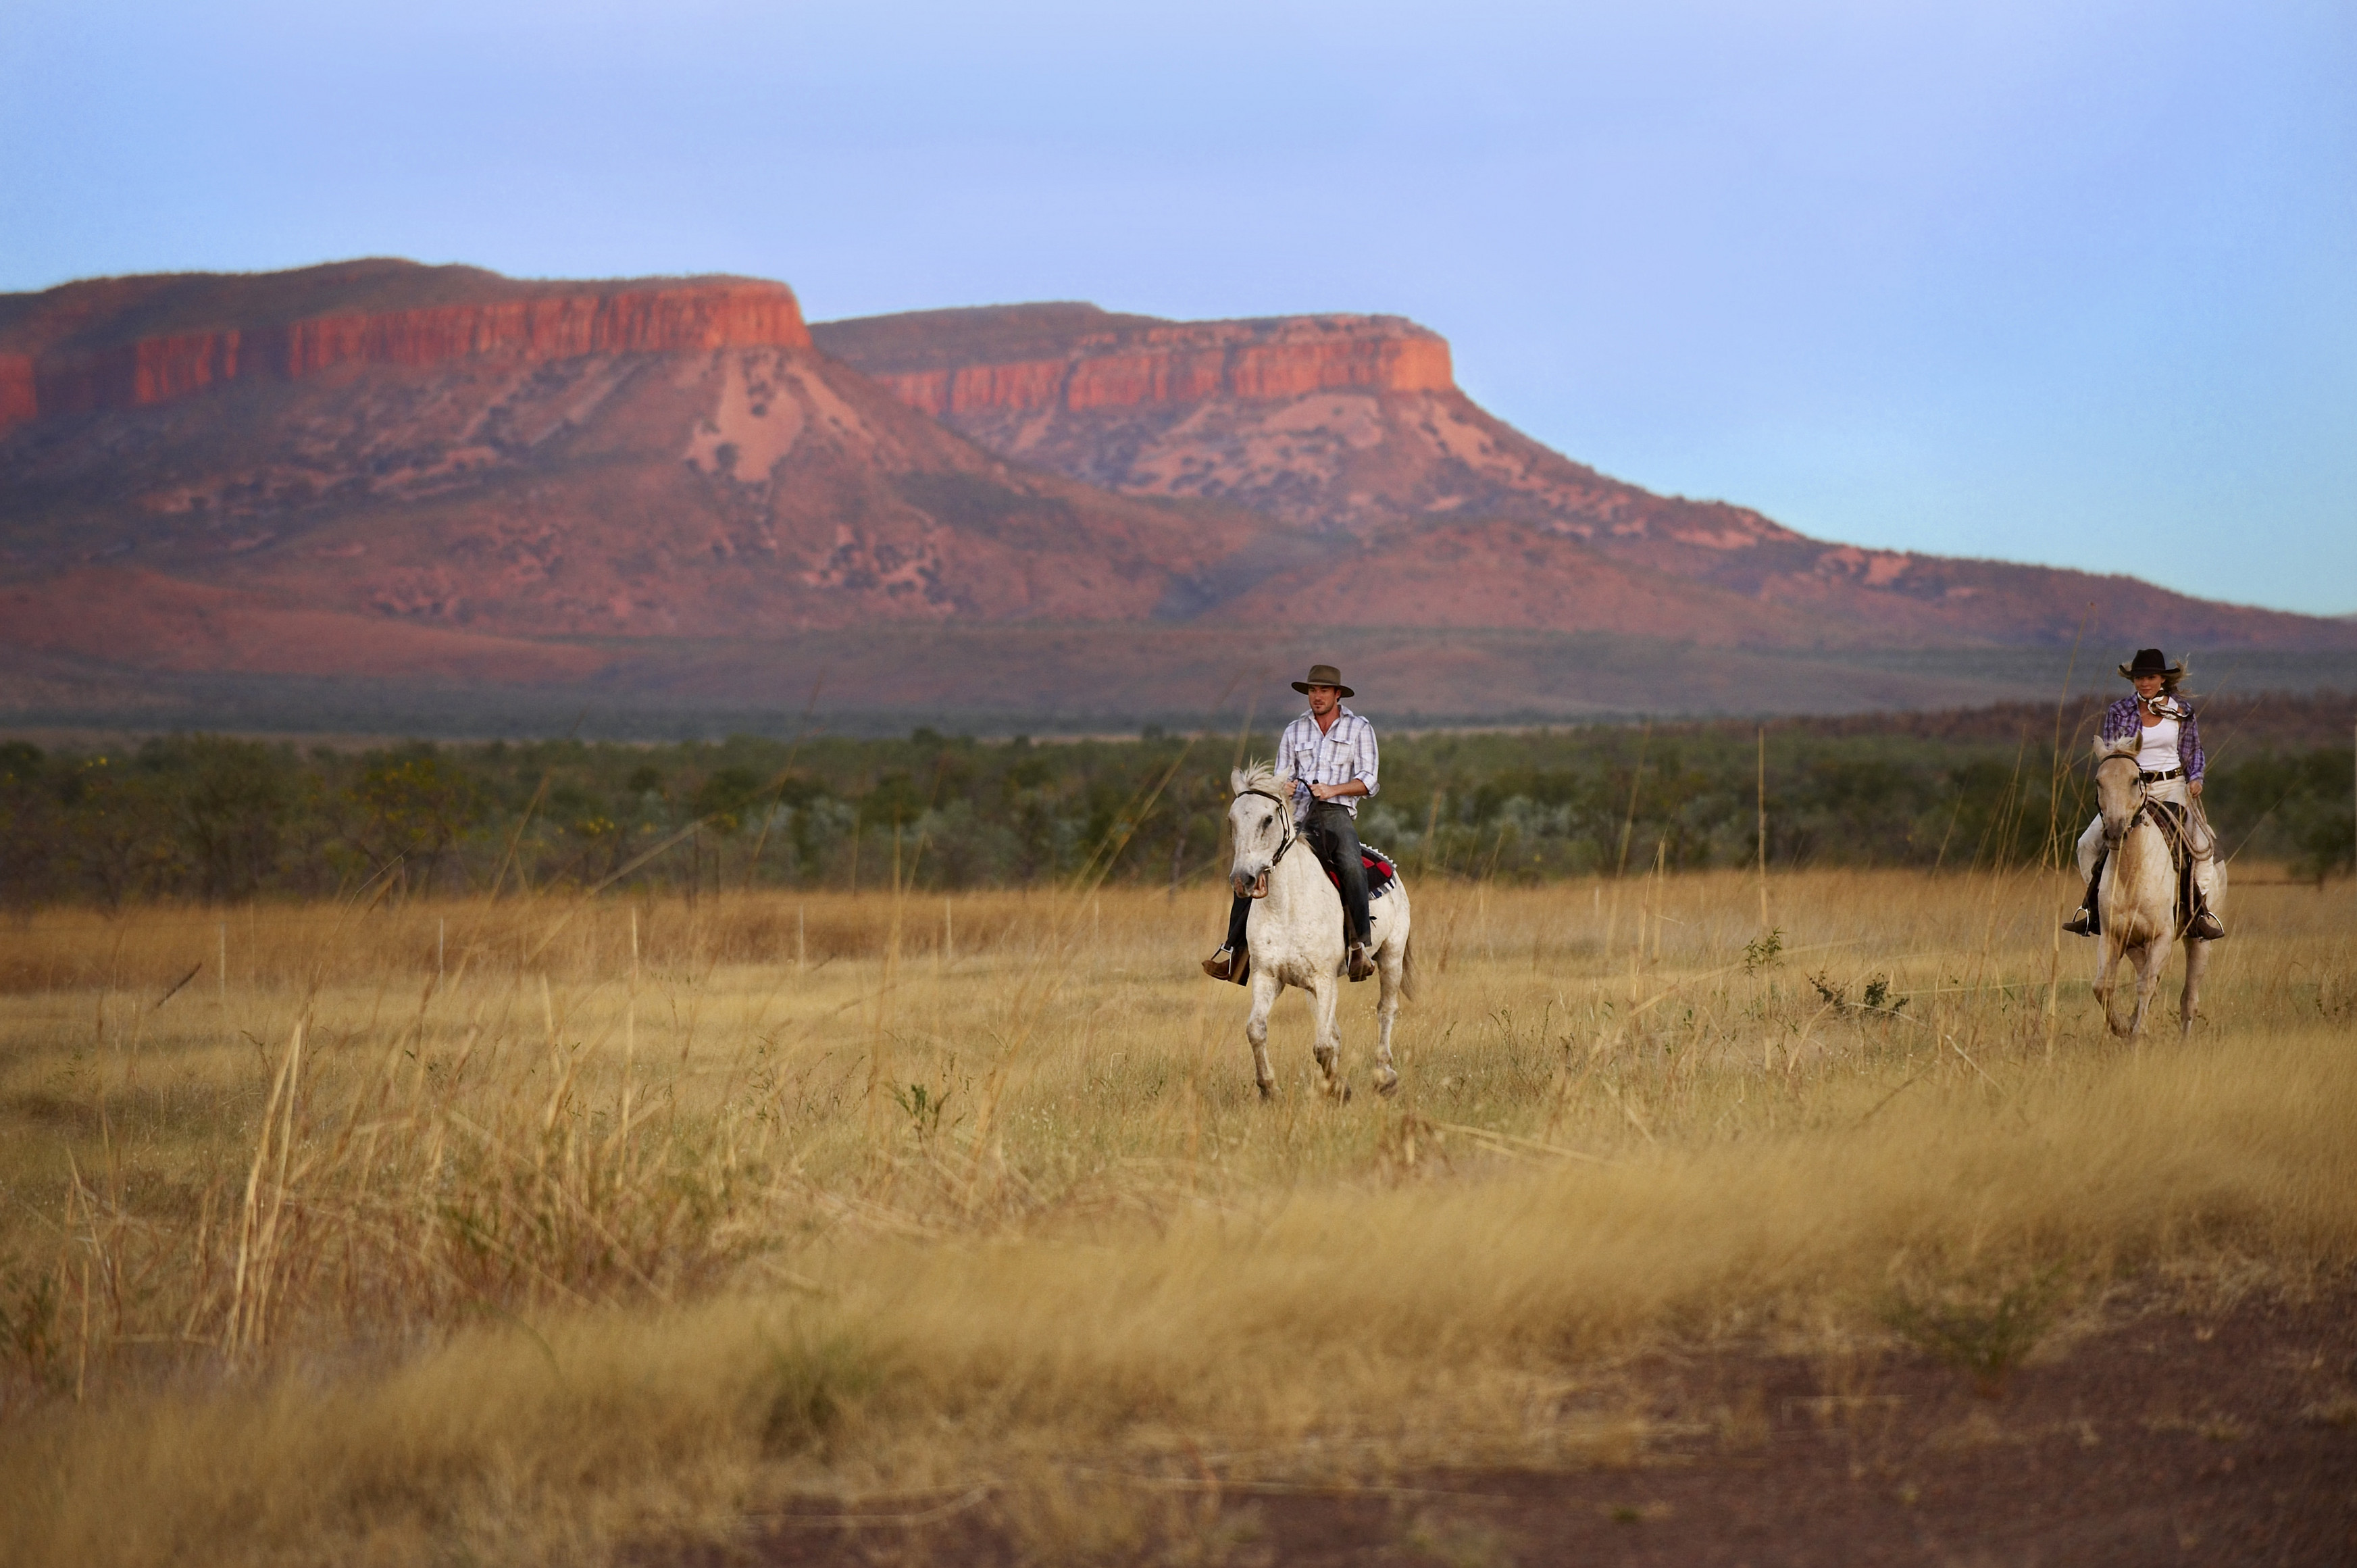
column 1407, row 966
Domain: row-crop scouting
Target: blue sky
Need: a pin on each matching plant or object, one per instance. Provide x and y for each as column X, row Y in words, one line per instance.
column 2063, row 281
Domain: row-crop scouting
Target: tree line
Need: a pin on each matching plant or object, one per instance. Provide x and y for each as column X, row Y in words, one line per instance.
column 221, row 819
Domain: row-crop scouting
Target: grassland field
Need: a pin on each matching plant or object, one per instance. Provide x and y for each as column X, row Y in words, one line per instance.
column 549, row 1228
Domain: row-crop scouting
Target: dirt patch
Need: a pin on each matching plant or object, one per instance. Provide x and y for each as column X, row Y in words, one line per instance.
column 2169, row 1435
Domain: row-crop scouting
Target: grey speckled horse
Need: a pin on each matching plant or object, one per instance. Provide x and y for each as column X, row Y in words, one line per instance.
column 1294, row 931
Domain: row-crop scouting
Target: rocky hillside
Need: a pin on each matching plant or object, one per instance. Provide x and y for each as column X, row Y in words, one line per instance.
column 1440, row 514
column 379, row 477
column 670, row 495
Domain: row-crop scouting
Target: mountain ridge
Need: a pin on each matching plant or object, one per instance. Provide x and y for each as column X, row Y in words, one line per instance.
column 1415, row 465
column 561, row 488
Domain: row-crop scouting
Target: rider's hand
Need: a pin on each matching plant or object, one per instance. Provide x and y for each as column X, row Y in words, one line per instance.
column 2195, row 786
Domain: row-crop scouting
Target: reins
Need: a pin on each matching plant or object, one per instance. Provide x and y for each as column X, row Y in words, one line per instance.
column 2175, row 830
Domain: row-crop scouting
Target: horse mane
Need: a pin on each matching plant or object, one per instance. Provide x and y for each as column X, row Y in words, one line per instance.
column 1259, row 774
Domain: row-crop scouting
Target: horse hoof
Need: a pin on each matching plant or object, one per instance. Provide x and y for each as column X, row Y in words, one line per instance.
column 1268, row 1092
column 1386, row 1082
column 1342, row 1093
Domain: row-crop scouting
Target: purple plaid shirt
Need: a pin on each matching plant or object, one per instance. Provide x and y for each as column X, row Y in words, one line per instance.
column 2120, row 722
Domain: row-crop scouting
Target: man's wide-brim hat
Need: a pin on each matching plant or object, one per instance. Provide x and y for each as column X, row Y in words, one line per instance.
column 1324, row 675
column 2151, row 662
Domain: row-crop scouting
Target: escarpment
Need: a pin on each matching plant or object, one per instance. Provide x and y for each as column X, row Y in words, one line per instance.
column 1351, row 424
column 379, row 471
column 120, row 343
column 1078, row 358
column 370, row 459
column 1351, row 429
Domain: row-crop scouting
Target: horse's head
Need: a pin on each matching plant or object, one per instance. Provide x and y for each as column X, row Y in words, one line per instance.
column 1260, row 822
column 2119, row 791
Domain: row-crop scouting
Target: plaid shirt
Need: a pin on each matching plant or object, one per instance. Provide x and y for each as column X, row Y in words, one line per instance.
column 1343, row 753
column 2120, row 722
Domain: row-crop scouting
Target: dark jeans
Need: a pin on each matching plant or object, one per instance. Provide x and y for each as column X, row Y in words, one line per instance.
column 1333, row 833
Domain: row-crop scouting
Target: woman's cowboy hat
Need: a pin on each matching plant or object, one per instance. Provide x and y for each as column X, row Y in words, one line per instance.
column 1324, row 675
column 2152, row 661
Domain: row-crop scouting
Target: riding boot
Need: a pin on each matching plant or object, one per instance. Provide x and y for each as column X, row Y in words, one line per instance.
column 2087, row 922
column 2202, row 926
column 1234, row 960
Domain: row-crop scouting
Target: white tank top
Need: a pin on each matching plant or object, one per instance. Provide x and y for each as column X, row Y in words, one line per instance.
column 2157, row 753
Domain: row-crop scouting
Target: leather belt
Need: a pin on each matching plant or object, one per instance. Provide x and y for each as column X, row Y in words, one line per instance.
column 2160, row 777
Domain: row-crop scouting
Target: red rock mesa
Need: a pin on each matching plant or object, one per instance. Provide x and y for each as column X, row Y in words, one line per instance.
column 379, row 469
column 1431, row 509
column 128, row 342
column 1335, row 422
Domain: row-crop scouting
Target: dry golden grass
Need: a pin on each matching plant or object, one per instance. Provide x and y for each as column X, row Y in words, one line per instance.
column 334, row 1253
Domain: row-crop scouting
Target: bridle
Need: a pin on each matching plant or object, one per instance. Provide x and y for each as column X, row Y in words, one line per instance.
column 1287, row 815
column 2144, row 795
column 2171, row 830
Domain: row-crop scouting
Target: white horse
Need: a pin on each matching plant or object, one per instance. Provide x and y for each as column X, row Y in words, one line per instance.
column 2138, row 901
column 1295, row 932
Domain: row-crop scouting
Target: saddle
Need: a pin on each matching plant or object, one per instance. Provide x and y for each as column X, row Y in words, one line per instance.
column 2177, row 827
column 1380, row 872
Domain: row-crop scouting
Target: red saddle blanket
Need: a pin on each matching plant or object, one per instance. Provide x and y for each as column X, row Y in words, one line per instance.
column 1380, row 872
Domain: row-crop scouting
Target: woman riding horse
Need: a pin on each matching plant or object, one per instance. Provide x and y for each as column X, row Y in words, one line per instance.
column 2169, row 759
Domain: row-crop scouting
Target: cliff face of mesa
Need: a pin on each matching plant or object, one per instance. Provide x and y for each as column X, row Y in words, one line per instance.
column 1350, row 422
column 1021, row 358
column 85, row 348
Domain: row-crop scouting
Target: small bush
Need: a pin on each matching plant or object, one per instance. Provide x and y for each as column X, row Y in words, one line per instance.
column 814, row 1386
column 1984, row 1335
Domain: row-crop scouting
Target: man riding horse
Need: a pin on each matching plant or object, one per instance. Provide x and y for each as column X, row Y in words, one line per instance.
column 1329, row 755
column 2170, row 760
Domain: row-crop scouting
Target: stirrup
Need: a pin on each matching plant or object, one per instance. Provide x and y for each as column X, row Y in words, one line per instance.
column 1361, row 964
column 1230, row 965
column 2205, row 927
column 2083, row 924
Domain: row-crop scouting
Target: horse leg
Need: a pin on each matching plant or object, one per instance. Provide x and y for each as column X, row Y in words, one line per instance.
column 2148, row 963
column 2109, row 955
column 2108, row 946
column 1391, row 965
column 1327, row 994
column 1264, row 988
column 2189, row 1004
